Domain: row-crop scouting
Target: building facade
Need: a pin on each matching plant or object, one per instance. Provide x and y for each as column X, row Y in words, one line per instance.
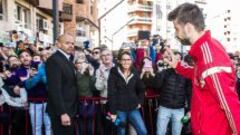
column 224, row 24
column 165, row 28
column 113, row 20
column 86, row 23
column 30, row 18
column 140, row 12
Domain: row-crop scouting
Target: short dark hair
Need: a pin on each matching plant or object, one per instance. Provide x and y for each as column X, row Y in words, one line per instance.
column 188, row 59
column 14, row 32
column 188, row 13
column 97, row 48
column 120, row 55
column 178, row 53
column 24, row 51
column 123, row 53
column 19, row 42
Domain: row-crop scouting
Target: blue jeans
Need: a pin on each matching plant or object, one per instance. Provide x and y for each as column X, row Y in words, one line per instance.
column 167, row 114
column 135, row 119
column 39, row 116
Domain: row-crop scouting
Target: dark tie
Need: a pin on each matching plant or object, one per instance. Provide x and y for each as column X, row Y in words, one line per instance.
column 71, row 58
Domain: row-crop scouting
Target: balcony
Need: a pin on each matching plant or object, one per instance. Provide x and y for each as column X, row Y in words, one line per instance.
column 132, row 32
column 141, row 20
column 67, row 13
column 83, row 15
column 47, row 6
column 33, row 2
column 140, row 7
column 65, row 17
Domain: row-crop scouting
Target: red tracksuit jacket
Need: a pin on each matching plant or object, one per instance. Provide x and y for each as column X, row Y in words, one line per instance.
column 215, row 108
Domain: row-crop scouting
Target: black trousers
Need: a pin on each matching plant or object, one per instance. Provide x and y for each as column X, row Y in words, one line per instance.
column 104, row 126
column 59, row 129
column 18, row 122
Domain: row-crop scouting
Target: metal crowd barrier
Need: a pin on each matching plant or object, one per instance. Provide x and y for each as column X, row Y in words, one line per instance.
column 148, row 110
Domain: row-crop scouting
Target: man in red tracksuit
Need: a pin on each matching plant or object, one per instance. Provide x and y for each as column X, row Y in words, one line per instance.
column 215, row 108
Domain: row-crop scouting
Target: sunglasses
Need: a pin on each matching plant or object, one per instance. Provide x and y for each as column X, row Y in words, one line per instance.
column 95, row 52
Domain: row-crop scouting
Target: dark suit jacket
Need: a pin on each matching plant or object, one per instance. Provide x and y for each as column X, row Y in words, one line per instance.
column 61, row 86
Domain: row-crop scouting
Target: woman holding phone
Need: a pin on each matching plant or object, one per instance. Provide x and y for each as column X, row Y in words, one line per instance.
column 126, row 94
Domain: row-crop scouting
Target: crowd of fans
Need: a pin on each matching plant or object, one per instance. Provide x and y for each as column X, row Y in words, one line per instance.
column 23, row 85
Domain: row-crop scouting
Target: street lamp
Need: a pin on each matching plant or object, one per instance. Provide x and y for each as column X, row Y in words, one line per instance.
column 55, row 20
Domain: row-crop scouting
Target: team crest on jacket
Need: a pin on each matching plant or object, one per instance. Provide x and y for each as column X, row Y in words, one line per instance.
column 201, row 82
column 198, row 80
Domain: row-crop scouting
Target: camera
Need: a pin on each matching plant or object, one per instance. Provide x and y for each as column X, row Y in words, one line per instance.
column 160, row 64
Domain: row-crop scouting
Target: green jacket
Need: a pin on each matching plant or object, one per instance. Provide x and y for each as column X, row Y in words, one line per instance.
column 85, row 84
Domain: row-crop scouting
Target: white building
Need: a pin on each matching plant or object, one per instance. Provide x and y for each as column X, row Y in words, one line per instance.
column 224, row 24
column 165, row 28
column 112, row 26
column 113, row 30
column 225, row 27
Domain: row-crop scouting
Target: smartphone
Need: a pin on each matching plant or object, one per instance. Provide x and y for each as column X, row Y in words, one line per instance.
column 148, row 64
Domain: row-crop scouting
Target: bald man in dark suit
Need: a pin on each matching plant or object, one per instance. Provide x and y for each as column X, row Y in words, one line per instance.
column 62, row 88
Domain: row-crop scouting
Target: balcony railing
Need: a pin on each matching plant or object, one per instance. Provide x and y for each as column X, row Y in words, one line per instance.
column 140, row 7
column 132, row 32
column 67, row 13
column 141, row 20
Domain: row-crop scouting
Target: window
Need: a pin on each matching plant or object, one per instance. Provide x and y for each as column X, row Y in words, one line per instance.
column 23, row 16
column 1, row 9
column 26, row 14
column 40, row 23
column 80, row 1
column 19, row 15
column 67, row 8
column 91, row 8
column 80, row 33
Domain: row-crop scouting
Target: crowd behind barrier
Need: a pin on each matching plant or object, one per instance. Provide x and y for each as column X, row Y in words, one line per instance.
column 17, row 115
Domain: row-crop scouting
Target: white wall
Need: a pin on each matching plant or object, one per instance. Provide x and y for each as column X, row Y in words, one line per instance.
column 112, row 22
column 215, row 21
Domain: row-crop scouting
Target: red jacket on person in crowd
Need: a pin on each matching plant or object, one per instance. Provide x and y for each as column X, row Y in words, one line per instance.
column 215, row 108
column 140, row 54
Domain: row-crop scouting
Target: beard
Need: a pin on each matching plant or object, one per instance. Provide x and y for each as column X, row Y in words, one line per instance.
column 14, row 66
column 184, row 41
